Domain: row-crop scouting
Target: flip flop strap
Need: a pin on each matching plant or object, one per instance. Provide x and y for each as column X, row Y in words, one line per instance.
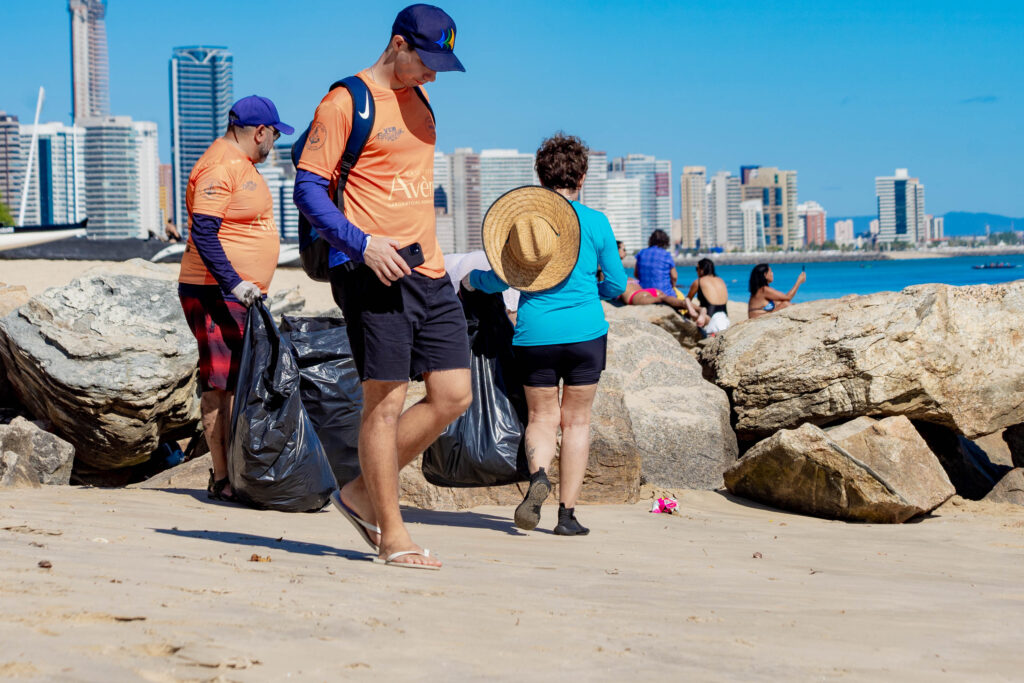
column 402, row 553
column 366, row 525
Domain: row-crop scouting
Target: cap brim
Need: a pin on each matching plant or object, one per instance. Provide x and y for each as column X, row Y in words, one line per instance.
column 440, row 61
column 284, row 128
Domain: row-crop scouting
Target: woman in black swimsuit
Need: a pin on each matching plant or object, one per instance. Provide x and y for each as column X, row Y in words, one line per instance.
column 713, row 296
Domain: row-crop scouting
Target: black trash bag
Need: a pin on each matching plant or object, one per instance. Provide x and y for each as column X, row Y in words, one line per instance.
column 331, row 391
column 275, row 459
column 485, row 446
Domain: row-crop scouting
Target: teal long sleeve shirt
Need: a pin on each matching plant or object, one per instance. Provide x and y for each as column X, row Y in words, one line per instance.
column 570, row 312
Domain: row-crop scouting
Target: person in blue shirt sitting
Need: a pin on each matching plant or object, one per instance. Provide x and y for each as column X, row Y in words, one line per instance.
column 656, row 276
column 544, row 243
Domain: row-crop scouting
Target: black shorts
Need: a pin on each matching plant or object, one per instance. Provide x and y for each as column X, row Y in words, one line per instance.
column 577, row 364
column 399, row 332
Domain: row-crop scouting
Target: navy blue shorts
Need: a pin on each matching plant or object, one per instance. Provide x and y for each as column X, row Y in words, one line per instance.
column 577, row 364
column 399, row 332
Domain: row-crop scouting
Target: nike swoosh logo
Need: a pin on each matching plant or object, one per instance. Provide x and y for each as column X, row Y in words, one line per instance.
column 366, row 108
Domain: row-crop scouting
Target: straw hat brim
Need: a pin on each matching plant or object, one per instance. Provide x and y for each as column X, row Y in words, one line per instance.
column 556, row 210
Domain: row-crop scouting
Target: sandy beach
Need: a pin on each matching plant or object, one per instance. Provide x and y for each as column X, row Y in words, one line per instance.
column 160, row 586
column 164, row 585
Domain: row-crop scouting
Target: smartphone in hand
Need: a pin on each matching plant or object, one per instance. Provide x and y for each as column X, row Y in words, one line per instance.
column 412, row 254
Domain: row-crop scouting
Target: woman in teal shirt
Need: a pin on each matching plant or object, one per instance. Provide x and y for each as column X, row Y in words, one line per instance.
column 561, row 334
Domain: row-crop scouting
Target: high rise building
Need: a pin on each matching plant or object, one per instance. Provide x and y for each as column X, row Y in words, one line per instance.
column 112, row 194
column 148, row 159
column 166, row 193
column 844, row 232
column 443, row 180
column 724, row 216
column 56, row 189
column 901, row 216
column 676, row 236
column 624, row 210
column 202, row 90
column 279, row 174
column 813, row 223
column 936, row 228
column 754, row 221
column 777, row 191
column 595, row 186
column 655, row 190
column 693, row 208
column 445, row 226
column 90, row 73
column 873, row 227
column 502, row 170
column 12, row 166
column 465, row 198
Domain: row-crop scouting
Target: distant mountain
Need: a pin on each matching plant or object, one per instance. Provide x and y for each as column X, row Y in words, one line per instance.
column 957, row 223
column 966, row 223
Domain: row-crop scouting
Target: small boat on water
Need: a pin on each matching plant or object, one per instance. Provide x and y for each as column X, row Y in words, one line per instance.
column 994, row 265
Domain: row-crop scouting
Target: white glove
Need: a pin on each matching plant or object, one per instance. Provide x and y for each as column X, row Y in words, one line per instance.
column 465, row 283
column 247, row 293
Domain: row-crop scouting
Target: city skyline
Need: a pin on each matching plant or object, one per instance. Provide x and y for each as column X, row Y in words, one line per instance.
column 947, row 117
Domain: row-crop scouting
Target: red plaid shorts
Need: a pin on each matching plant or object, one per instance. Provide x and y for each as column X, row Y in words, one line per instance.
column 219, row 327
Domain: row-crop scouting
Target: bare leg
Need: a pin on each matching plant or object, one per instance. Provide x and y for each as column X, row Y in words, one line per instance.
column 448, row 396
column 646, row 299
column 576, row 404
column 215, row 408
column 542, row 427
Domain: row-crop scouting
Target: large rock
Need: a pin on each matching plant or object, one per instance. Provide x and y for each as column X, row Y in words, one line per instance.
column 30, row 456
column 942, row 354
column 11, row 298
column 653, row 400
column 667, row 318
column 968, row 466
column 1010, row 488
column 109, row 360
column 1014, row 438
column 892, row 477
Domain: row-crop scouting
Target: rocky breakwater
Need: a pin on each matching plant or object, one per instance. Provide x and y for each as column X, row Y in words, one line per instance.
column 655, row 420
column 108, row 360
column 935, row 353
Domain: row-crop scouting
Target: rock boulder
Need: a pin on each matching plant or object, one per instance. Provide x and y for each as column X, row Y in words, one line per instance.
column 1014, row 438
column 30, row 456
column 889, row 477
column 109, row 360
column 1010, row 488
column 942, row 354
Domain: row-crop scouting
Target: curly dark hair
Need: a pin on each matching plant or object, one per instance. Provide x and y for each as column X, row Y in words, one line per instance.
column 658, row 239
column 562, row 161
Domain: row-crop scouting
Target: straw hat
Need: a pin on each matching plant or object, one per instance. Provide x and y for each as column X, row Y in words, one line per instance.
column 532, row 238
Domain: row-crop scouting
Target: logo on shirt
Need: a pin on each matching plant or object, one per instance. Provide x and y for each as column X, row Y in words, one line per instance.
column 317, row 136
column 411, row 187
column 263, row 224
column 390, row 134
column 249, row 186
column 211, row 189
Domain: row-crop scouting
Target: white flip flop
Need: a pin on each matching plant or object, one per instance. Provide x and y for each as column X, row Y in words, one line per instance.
column 390, row 561
column 361, row 525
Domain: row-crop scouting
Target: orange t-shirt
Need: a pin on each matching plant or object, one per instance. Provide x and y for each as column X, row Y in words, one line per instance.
column 225, row 184
column 390, row 190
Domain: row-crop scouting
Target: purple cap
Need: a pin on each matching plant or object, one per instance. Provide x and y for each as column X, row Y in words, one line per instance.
column 431, row 32
column 257, row 111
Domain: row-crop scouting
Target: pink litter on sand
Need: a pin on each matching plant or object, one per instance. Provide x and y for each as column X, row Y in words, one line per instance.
column 665, row 506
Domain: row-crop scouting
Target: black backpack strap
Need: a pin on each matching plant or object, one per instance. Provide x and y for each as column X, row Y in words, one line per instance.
column 423, row 97
column 364, row 112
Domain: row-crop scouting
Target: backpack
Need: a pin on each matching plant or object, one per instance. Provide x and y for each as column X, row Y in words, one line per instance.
column 314, row 252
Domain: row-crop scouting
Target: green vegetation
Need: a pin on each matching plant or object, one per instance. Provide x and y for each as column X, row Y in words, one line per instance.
column 5, row 213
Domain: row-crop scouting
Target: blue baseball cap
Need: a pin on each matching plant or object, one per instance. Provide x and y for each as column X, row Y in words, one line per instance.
column 431, row 32
column 257, row 111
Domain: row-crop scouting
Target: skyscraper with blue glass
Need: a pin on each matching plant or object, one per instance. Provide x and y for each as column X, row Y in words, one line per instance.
column 202, row 89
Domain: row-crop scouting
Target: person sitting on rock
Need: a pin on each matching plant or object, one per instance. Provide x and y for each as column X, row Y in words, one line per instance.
column 635, row 295
column 764, row 299
column 713, row 296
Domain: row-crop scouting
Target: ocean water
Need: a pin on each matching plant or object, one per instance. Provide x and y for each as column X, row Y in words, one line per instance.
column 833, row 280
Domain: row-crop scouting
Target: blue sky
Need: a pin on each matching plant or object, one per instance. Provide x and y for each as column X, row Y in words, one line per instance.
column 840, row 91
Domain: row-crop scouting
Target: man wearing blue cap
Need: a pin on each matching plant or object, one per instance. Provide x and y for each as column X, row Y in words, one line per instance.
column 231, row 256
column 404, row 319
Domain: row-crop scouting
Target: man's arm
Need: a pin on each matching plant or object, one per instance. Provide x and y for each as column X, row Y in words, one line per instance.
column 487, row 281
column 211, row 251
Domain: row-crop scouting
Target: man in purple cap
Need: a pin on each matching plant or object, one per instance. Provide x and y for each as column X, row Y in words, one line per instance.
column 387, row 270
column 231, row 256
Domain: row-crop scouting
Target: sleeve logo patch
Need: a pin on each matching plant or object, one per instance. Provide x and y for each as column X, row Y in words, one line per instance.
column 317, row 136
